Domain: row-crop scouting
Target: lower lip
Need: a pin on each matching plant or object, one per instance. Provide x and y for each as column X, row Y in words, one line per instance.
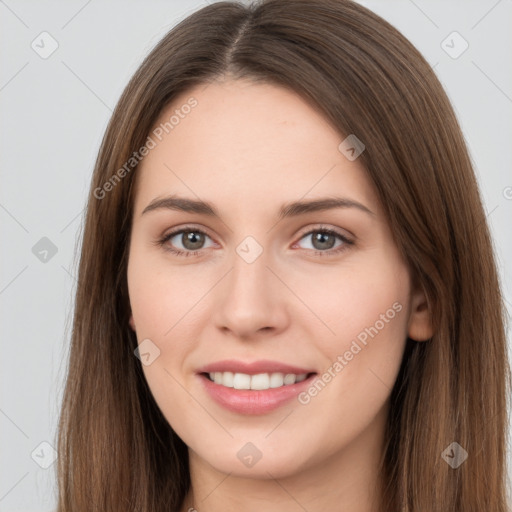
column 247, row 401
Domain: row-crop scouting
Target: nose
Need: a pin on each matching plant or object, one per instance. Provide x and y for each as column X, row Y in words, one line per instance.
column 251, row 301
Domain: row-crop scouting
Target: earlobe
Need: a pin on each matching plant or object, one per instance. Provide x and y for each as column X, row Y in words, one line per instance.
column 420, row 320
column 132, row 323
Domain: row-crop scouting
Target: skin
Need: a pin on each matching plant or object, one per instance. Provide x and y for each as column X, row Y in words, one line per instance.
column 247, row 149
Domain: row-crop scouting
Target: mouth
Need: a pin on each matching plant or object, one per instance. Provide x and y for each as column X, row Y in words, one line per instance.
column 256, row 382
column 254, row 394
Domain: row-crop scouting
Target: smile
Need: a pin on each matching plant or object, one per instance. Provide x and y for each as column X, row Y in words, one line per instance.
column 260, row 381
column 261, row 393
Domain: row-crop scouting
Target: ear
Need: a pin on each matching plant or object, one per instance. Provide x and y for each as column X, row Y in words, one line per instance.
column 420, row 319
column 132, row 323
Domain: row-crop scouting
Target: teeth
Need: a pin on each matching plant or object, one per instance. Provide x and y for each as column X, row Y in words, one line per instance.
column 241, row 381
column 260, row 381
column 276, row 380
column 289, row 378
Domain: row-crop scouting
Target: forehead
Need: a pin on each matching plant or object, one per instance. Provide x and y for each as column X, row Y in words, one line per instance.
column 244, row 143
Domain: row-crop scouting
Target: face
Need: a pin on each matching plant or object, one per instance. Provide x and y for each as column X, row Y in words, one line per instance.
column 257, row 292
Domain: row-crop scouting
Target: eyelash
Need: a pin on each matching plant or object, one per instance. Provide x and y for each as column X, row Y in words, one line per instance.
column 330, row 252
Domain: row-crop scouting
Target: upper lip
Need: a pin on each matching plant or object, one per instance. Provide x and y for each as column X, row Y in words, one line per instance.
column 253, row 368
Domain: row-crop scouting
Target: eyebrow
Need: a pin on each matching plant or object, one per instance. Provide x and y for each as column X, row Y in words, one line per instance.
column 287, row 210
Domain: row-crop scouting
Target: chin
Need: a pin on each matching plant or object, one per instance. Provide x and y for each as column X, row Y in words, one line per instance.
column 255, row 459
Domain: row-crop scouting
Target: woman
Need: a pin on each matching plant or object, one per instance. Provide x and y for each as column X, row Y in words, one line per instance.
column 287, row 295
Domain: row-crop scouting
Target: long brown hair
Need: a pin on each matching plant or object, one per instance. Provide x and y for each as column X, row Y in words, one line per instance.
column 116, row 450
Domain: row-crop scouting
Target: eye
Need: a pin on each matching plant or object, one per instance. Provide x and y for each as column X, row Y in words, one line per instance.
column 191, row 240
column 323, row 241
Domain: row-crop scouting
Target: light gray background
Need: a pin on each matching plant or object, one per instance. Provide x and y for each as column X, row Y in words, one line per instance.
column 54, row 113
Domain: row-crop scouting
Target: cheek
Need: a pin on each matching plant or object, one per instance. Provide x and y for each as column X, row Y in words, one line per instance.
column 367, row 310
column 165, row 305
column 158, row 297
column 355, row 300
column 364, row 315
